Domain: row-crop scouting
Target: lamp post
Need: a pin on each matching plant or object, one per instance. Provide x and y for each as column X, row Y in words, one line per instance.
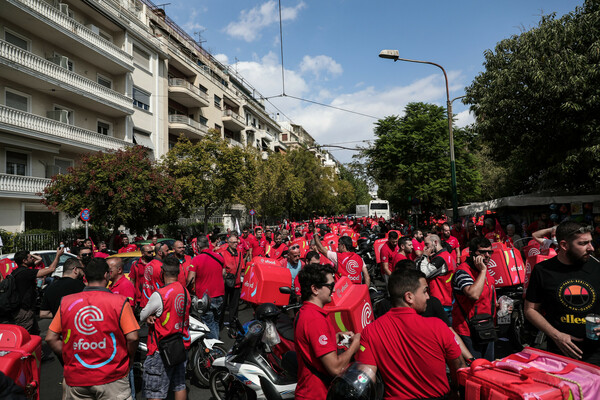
column 395, row 55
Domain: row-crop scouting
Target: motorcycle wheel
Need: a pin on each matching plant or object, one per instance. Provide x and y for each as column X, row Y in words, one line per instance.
column 219, row 382
column 202, row 362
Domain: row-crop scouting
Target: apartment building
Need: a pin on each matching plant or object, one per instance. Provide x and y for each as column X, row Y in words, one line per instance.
column 295, row 136
column 76, row 77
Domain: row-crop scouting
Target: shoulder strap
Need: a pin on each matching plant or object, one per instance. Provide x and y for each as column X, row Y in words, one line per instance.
column 213, row 257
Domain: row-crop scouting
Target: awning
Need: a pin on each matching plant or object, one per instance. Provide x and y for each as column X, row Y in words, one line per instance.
column 143, row 140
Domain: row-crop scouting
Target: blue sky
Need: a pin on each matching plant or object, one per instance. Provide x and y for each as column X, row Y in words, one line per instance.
column 331, row 52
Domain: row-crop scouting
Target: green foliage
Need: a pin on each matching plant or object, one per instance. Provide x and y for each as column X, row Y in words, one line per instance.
column 538, row 103
column 208, row 173
column 410, row 159
column 120, row 188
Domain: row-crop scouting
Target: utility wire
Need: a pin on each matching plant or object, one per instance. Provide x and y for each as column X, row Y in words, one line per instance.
column 330, row 106
column 281, row 46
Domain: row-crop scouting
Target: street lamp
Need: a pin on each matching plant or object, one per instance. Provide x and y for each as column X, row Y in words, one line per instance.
column 395, row 55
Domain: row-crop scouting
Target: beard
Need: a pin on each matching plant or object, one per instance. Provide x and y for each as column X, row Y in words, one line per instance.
column 575, row 259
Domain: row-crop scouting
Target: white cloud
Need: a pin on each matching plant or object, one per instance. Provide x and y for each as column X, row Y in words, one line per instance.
column 464, row 118
column 191, row 25
column 252, row 21
column 318, row 64
column 222, row 58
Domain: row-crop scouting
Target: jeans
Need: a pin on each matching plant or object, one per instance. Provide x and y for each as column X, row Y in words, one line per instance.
column 132, row 383
column 232, row 301
column 212, row 317
column 485, row 350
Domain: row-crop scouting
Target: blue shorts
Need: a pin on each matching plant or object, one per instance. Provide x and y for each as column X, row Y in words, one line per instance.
column 158, row 380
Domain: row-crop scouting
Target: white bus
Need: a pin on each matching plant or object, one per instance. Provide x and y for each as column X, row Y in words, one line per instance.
column 381, row 208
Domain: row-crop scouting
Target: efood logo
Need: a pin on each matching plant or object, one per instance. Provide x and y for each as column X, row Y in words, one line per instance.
column 533, row 252
column 322, row 340
column 179, row 304
column 352, row 266
column 85, row 317
column 366, row 315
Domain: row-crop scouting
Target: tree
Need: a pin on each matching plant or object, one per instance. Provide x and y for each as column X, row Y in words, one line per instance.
column 410, row 159
column 538, row 103
column 359, row 186
column 119, row 188
column 209, row 173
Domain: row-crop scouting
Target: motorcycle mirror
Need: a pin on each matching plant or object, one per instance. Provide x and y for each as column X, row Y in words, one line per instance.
column 285, row 290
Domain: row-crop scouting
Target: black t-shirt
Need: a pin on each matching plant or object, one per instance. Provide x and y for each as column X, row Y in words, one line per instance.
column 567, row 294
column 26, row 283
column 57, row 290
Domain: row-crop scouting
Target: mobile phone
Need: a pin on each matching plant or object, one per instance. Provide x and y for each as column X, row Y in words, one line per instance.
column 62, row 245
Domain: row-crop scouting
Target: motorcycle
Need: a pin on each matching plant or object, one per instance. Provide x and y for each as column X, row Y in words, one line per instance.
column 202, row 352
column 259, row 366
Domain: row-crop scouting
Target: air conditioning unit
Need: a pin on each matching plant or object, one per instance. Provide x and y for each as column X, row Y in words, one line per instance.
column 94, row 29
column 61, row 61
column 58, row 115
column 64, row 8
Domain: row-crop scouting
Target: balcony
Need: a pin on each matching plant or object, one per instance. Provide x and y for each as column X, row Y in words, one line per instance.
column 81, row 40
column 234, row 142
column 18, row 186
column 232, row 121
column 33, row 126
column 25, row 68
column 187, row 94
column 179, row 124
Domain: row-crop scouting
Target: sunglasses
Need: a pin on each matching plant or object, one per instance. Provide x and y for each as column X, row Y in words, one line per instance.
column 294, row 247
column 329, row 285
column 490, row 252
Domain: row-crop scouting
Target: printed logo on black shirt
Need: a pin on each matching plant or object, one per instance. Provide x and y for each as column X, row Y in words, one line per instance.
column 577, row 295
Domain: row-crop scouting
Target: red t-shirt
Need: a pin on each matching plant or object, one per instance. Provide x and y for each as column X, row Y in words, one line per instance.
column 397, row 258
column 410, row 352
column 128, row 249
column 124, row 287
column 209, row 273
column 315, row 336
column 417, row 246
column 258, row 247
column 387, row 254
column 276, row 252
column 184, row 269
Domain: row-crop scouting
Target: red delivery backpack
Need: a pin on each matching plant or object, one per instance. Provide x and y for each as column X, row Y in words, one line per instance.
column 20, row 358
column 262, row 281
column 532, row 261
column 303, row 244
column 485, row 381
column 350, row 308
column 506, row 266
column 331, row 241
column 377, row 247
column 582, row 378
column 7, row 266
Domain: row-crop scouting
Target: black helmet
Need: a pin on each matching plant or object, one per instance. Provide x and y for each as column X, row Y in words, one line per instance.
column 358, row 382
column 266, row 311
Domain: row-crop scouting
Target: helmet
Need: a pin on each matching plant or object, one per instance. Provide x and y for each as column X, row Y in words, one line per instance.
column 201, row 304
column 266, row 311
column 358, row 382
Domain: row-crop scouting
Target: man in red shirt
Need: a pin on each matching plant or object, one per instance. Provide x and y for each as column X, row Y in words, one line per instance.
column 347, row 262
column 387, row 253
column 234, row 264
column 153, row 274
column 259, row 244
column 452, row 242
column 405, row 249
column 315, row 336
column 118, row 281
column 411, row 351
column 438, row 265
column 278, row 248
column 127, row 247
column 458, row 232
column 246, row 243
column 136, row 274
column 185, row 263
column 418, row 245
column 207, row 276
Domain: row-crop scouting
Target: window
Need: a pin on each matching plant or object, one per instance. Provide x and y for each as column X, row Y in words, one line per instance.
column 104, row 128
column 284, row 137
column 17, row 100
column 203, row 121
column 41, row 220
column 217, row 101
column 70, row 117
column 16, row 163
column 17, row 40
column 218, row 127
column 62, row 164
column 203, row 89
column 141, row 99
column 141, row 58
column 104, row 81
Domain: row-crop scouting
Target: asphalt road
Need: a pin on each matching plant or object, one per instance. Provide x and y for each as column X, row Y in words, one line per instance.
column 52, row 371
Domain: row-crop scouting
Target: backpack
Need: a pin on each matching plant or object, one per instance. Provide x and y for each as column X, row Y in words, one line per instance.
column 10, row 300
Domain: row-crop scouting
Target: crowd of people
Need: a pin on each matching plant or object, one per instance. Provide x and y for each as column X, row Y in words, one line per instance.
column 442, row 302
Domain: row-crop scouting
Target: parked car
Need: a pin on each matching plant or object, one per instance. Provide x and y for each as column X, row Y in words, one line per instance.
column 48, row 257
column 168, row 241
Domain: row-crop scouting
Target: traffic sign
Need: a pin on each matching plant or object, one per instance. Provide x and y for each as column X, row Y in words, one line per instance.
column 252, row 212
column 85, row 215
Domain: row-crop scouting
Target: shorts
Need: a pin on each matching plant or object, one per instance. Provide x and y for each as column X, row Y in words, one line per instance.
column 116, row 390
column 158, row 380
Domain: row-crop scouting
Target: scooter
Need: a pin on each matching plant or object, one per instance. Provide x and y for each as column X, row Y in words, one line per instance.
column 202, row 352
column 253, row 368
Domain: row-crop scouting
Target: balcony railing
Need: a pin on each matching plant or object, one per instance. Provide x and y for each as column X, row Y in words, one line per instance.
column 9, row 117
column 53, row 16
column 234, row 115
column 235, row 142
column 182, row 119
column 22, row 184
column 25, row 61
column 176, row 82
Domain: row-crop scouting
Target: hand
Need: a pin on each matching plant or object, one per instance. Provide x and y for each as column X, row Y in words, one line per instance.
column 60, row 251
column 480, row 263
column 340, row 335
column 151, row 319
column 355, row 338
column 565, row 344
